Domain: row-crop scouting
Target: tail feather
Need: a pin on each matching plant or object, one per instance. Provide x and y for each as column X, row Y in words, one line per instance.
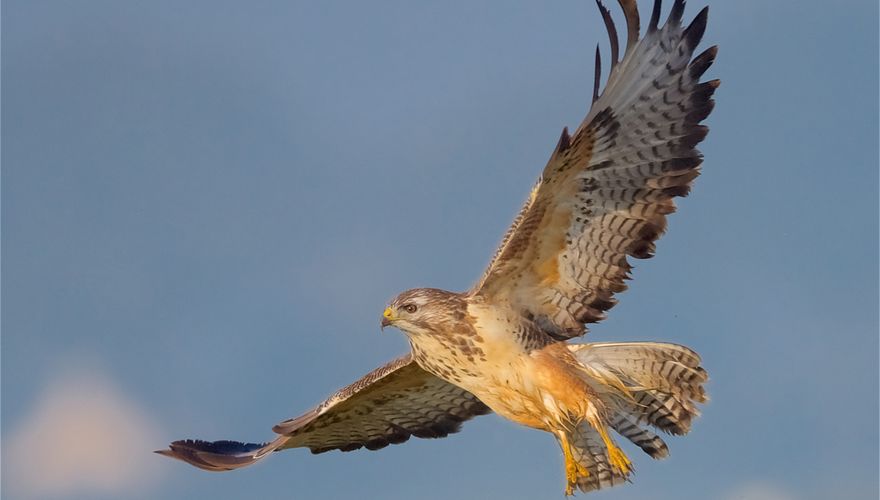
column 649, row 442
column 219, row 455
column 662, row 410
column 650, row 383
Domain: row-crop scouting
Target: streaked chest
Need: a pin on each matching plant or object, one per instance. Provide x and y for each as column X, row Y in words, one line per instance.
column 491, row 359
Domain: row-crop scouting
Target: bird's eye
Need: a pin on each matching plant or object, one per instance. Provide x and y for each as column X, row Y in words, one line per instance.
column 410, row 308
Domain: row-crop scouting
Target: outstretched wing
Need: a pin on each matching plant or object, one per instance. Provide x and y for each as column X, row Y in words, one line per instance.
column 607, row 189
column 386, row 406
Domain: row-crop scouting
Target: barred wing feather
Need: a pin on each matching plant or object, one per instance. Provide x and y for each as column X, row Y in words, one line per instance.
column 386, row 406
column 607, row 189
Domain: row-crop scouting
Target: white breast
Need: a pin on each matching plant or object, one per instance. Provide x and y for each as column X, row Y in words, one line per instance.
column 505, row 383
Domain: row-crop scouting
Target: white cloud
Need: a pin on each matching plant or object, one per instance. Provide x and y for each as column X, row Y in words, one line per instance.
column 83, row 436
column 758, row 491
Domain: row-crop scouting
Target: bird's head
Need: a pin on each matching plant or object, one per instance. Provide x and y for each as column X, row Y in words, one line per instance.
column 422, row 310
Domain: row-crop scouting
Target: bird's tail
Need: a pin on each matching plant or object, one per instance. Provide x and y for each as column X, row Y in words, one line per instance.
column 640, row 383
column 220, row 455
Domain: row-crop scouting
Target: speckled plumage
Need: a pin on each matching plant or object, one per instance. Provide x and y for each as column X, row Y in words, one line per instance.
column 603, row 196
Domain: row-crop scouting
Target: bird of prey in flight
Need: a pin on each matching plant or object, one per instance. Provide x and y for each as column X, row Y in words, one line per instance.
column 503, row 345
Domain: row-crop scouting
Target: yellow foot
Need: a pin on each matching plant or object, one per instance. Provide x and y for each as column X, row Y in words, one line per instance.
column 619, row 460
column 573, row 469
column 616, row 457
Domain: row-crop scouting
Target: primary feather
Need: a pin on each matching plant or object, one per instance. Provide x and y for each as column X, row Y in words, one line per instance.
column 386, row 406
column 607, row 189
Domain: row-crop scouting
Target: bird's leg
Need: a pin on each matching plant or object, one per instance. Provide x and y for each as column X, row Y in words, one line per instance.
column 573, row 468
column 616, row 456
column 570, row 466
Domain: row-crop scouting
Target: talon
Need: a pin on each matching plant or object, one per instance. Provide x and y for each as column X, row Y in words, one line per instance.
column 573, row 469
column 619, row 460
column 616, row 456
column 570, row 478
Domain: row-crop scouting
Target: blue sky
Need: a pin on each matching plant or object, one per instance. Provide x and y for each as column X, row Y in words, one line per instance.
column 206, row 205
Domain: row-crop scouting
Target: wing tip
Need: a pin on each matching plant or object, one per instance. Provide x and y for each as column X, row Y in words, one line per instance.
column 597, row 74
column 633, row 27
column 703, row 62
column 612, row 33
column 655, row 16
column 216, row 456
column 695, row 30
column 676, row 13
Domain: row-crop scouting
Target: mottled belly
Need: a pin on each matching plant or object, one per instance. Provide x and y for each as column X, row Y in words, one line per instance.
column 515, row 407
column 510, row 392
column 538, row 390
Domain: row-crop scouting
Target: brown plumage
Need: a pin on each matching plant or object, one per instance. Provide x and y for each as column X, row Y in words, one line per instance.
column 603, row 196
column 605, row 193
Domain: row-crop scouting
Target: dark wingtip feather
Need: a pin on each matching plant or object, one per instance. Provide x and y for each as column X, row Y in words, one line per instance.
column 676, row 13
column 702, row 62
column 597, row 74
column 655, row 16
column 214, row 455
column 612, row 33
column 694, row 32
column 694, row 137
column 700, row 113
column 631, row 14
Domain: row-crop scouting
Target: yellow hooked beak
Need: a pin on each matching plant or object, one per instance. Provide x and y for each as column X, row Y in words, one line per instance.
column 387, row 317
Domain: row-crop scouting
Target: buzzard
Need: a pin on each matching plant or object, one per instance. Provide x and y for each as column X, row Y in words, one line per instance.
column 503, row 346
